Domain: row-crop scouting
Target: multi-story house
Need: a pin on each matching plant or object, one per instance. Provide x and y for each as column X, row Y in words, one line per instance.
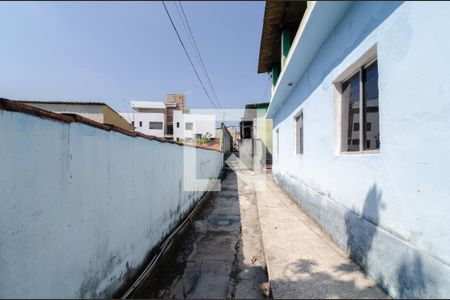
column 189, row 126
column 360, row 105
column 147, row 117
column 171, row 120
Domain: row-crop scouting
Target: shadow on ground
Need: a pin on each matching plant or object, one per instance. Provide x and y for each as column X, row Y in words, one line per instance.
column 207, row 259
column 403, row 278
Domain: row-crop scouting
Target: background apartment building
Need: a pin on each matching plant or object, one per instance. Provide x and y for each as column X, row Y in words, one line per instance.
column 170, row 119
column 147, row 117
column 189, row 126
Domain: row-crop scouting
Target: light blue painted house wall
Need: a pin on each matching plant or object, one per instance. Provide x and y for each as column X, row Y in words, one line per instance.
column 390, row 209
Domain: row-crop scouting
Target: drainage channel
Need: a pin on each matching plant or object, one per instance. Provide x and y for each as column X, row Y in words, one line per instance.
column 218, row 253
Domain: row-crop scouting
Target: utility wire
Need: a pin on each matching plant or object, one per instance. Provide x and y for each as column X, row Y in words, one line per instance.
column 199, row 55
column 183, row 21
column 193, row 45
column 187, row 54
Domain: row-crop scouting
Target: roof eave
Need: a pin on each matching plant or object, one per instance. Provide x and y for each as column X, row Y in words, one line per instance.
column 277, row 15
column 319, row 20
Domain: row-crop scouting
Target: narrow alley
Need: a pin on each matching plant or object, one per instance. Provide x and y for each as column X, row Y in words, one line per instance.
column 220, row 253
column 223, row 252
column 225, row 150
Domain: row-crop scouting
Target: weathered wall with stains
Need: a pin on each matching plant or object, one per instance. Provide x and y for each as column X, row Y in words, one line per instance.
column 389, row 209
column 81, row 207
column 225, row 138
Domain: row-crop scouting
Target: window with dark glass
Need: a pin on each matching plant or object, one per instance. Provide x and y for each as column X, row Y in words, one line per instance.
column 140, row 123
column 299, row 134
column 155, row 125
column 350, row 100
column 360, row 109
column 169, row 129
column 370, row 105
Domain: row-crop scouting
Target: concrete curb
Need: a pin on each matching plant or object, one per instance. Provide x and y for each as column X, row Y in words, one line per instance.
column 269, row 294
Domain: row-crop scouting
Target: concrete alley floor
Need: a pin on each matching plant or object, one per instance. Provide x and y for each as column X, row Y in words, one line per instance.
column 220, row 255
column 247, row 229
column 302, row 260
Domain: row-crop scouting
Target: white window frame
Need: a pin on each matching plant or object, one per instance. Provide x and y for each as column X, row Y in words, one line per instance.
column 299, row 138
column 364, row 61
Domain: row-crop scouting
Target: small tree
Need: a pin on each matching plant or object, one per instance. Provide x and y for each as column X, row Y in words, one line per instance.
column 203, row 140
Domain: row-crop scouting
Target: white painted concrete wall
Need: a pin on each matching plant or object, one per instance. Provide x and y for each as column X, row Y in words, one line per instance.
column 146, row 118
column 82, row 207
column 178, row 124
column 402, row 194
column 202, row 124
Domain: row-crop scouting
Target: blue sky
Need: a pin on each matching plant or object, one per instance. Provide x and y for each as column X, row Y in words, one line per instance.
column 121, row 51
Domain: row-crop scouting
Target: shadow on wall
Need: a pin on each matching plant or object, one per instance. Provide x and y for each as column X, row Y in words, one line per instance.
column 360, row 236
column 410, row 280
column 403, row 272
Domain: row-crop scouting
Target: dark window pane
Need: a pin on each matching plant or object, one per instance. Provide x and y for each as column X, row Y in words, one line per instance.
column 350, row 101
column 155, row 125
column 278, row 141
column 299, row 137
column 371, row 115
column 188, row 126
column 355, row 126
column 247, row 132
column 301, row 134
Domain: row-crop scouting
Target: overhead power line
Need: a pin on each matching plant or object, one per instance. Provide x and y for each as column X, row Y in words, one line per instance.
column 199, row 55
column 183, row 21
column 188, row 56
